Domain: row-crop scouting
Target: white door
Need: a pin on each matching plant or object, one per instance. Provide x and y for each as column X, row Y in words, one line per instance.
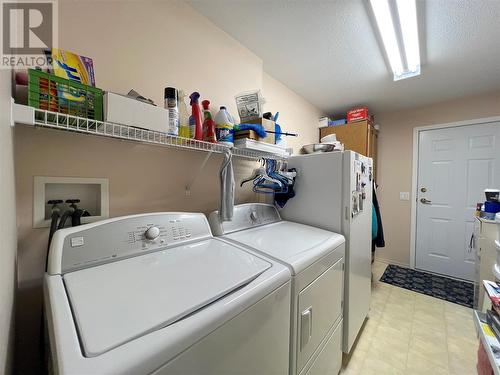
column 455, row 165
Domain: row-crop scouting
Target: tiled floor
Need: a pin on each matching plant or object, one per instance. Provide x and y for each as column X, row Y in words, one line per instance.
column 410, row 333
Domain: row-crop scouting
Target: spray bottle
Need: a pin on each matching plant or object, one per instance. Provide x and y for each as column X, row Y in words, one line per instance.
column 208, row 123
column 183, row 117
column 195, row 118
column 224, row 127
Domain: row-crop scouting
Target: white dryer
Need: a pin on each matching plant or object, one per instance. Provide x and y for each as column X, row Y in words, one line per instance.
column 157, row 294
column 315, row 258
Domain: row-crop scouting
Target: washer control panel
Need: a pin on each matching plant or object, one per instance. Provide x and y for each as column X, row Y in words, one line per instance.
column 118, row 238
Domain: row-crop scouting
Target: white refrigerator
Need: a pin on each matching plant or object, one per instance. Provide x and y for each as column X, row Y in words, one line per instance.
column 334, row 192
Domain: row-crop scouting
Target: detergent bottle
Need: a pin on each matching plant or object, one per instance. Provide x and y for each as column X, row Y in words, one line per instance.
column 208, row 123
column 195, row 118
column 224, row 127
column 184, row 130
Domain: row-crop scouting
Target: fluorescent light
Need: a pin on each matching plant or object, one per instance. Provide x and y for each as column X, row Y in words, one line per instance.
column 386, row 27
column 407, row 10
column 405, row 58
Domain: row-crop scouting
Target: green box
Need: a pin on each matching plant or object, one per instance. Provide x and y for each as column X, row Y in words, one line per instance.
column 49, row 92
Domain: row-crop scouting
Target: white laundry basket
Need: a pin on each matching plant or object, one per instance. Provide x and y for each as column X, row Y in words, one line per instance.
column 496, row 272
column 496, row 267
column 497, row 219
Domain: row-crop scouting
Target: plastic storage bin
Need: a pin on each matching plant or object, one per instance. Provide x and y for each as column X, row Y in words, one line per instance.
column 49, row 92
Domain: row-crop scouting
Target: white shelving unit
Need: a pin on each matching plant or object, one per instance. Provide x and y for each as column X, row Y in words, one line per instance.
column 25, row 115
column 488, row 339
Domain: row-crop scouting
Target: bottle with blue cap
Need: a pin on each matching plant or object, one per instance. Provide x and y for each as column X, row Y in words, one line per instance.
column 224, row 127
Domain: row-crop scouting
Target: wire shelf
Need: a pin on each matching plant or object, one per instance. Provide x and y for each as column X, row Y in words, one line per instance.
column 61, row 121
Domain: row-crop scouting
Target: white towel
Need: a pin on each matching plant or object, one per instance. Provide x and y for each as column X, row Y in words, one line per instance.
column 226, row 187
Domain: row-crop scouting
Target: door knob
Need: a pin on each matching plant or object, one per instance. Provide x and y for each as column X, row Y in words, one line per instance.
column 425, row 201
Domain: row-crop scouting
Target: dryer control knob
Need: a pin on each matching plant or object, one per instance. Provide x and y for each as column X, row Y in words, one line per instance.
column 152, row 233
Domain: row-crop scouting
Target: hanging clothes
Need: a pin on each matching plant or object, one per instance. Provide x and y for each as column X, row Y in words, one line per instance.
column 282, row 198
column 374, row 223
column 378, row 240
column 226, row 187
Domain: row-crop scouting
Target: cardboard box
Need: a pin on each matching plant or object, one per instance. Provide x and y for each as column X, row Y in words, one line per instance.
column 268, row 125
column 120, row 109
column 357, row 114
column 370, row 120
column 250, row 134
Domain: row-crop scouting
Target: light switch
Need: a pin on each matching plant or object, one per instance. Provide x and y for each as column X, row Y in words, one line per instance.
column 404, row 196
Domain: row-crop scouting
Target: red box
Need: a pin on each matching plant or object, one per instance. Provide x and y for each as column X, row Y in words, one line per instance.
column 357, row 114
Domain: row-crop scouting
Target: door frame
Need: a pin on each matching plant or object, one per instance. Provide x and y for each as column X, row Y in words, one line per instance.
column 414, row 175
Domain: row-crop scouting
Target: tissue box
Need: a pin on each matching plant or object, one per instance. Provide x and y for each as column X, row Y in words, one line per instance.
column 120, row 109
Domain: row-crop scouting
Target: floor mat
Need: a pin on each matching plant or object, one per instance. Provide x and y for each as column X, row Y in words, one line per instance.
column 459, row 292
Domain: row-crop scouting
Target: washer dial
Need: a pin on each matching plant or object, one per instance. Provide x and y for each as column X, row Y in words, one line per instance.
column 152, row 233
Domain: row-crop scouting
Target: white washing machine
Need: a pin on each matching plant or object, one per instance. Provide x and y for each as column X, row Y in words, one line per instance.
column 157, row 294
column 315, row 258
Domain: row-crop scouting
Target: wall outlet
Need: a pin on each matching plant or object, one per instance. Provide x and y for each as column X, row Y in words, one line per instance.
column 404, row 196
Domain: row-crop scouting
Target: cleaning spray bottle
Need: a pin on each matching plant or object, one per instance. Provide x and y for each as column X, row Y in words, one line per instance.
column 195, row 118
column 183, row 116
column 208, row 123
column 224, row 127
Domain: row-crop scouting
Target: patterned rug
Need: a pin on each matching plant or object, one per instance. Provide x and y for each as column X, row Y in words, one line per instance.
column 459, row 292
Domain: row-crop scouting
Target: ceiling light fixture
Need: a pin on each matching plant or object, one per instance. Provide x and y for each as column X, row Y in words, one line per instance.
column 398, row 27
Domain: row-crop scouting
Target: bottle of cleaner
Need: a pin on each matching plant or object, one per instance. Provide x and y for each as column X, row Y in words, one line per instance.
column 208, row 123
column 183, row 117
column 224, row 127
column 173, row 110
column 195, row 118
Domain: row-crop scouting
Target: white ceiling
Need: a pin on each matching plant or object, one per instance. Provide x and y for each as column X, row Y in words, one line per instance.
column 327, row 50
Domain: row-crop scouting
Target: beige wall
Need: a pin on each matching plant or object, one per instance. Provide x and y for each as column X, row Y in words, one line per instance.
column 296, row 115
column 149, row 45
column 395, row 162
column 7, row 228
column 144, row 45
